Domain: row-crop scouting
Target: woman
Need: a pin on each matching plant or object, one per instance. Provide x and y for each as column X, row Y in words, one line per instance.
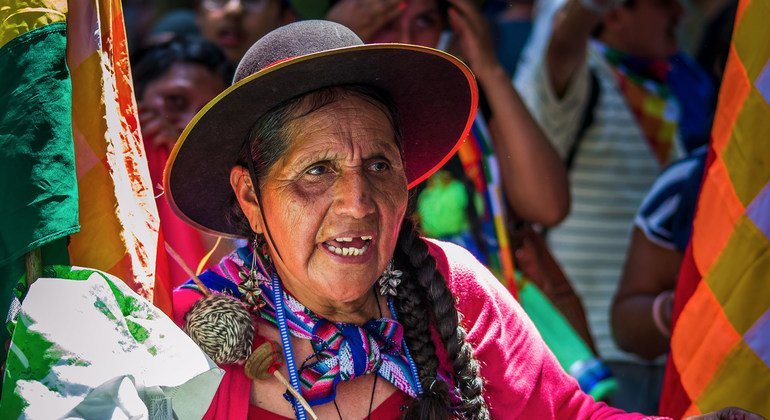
column 311, row 154
column 234, row 25
column 174, row 79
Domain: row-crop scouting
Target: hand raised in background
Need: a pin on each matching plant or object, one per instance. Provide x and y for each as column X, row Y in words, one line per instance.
column 365, row 17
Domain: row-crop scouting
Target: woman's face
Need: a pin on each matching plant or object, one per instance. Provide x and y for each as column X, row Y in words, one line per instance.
column 234, row 25
column 172, row 100
column 420, row 23
column 334, row 202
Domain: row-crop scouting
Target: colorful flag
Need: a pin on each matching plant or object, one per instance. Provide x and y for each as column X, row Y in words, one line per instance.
column 720, row 346
column 72, row 154
column 37, row 171
column 119, row 220
column 482, row 167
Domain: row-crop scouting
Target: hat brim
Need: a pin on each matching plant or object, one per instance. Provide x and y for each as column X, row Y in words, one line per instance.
column 434, row 92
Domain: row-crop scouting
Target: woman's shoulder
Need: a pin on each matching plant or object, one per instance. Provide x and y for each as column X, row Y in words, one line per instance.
column 475, row 288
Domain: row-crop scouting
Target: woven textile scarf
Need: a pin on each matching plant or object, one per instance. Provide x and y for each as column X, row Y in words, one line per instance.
column 342, row 351
column 643, row 83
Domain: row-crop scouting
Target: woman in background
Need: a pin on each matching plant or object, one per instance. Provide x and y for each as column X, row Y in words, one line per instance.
column 174, row 79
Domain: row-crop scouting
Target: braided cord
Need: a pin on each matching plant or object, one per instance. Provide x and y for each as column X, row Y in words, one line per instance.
column 288, row 353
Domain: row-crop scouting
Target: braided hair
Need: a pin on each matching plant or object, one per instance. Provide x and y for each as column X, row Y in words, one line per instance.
column 424, row 286
column 424, row 302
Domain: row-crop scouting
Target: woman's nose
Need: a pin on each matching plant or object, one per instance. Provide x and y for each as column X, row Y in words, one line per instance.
column 353, row 196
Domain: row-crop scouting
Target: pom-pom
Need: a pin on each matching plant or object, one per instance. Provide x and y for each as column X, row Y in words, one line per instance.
column 222, row 328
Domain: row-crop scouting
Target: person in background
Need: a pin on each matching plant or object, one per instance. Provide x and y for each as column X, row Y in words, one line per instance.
column 507, row 162
column 173, row 80
column 600, row 82
column 504, row 173
column 234, row 25
column 641, row 308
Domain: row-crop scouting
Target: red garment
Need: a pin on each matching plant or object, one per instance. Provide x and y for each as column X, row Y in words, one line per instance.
column 183, row 238
column 522, row 377
column 390, row 409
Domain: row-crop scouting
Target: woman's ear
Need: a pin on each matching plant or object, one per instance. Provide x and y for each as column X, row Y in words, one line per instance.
column 244, row 191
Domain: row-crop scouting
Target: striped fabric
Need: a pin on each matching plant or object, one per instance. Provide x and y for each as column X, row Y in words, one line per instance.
column 720, row 345
column 119, row 220
column 612, row 171
column 480, row 163
column 343, row 351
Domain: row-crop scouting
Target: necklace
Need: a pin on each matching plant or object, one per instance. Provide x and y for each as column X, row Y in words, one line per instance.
column 374, row 385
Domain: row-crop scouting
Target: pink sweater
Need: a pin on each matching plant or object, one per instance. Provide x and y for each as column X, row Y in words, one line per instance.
column 522, row 377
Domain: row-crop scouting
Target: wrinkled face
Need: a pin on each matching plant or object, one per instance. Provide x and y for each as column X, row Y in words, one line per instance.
column 234, row 25
column 335, row 200
column 647, row 29
column 420, row 23
column 171, row 101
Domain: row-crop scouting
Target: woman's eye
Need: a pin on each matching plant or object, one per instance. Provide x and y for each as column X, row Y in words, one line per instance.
column 379, row 166
column 176, row 102
column 317, row 170
column 427, row 21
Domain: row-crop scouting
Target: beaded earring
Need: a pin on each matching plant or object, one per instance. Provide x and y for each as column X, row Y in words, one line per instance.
column 389, row 280
column 249, row 286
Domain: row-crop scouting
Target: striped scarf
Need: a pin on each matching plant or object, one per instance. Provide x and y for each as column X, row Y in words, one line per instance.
column 643, row 83
column 342, row 351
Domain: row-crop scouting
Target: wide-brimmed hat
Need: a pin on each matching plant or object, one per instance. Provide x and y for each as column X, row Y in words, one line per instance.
column 434, row 92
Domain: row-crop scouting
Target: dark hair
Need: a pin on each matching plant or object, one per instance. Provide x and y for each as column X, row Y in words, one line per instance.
column 153, row 61
column 424, row 299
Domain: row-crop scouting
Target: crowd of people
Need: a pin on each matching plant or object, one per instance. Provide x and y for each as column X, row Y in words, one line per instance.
column 579, row 172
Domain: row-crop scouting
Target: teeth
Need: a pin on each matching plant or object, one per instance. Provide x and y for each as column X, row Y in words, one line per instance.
column 347, row 251
column 349, row 239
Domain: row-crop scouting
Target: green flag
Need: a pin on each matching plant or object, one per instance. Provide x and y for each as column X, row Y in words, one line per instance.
column 38, row 186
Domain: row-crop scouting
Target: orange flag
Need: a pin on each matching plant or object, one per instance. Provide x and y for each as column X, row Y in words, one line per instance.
column 720, row 344
column 118, row 216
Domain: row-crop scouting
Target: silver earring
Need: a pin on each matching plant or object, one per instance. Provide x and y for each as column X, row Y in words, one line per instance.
column 389, row 280
column 249, row 286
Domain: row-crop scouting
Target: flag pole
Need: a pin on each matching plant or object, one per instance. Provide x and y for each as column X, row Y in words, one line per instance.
column 34, row 266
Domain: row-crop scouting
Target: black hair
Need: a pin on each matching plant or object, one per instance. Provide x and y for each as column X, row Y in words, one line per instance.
column 153, row 61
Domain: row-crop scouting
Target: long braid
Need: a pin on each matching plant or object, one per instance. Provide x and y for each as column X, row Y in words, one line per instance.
column 447, row 320
column 412, row 313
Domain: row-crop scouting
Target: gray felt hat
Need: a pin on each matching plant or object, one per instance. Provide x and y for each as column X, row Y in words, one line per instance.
column 434, row 92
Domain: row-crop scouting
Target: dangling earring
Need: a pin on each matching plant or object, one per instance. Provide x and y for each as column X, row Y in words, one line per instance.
column 389, row 280
column 249, row 286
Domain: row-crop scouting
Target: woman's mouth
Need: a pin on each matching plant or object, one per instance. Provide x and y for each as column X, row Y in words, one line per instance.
column 229, row 38
column 348, row 246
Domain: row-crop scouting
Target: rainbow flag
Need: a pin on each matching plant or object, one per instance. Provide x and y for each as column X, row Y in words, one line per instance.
column 73, row 158
column 720, row 346
column 119, row 220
